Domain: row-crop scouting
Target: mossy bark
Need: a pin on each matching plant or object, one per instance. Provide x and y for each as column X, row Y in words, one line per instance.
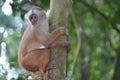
column 59, row 11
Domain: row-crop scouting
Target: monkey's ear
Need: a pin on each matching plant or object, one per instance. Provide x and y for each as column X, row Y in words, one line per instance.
column 33, row 19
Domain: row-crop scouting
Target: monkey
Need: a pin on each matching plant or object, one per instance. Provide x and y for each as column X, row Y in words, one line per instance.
column 37, row 41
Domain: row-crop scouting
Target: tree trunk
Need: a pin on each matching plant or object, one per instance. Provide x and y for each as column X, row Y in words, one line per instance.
column 116, row 75
column 59, row 11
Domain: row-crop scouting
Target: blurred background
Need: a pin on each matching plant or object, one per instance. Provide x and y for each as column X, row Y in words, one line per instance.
column 94, row 35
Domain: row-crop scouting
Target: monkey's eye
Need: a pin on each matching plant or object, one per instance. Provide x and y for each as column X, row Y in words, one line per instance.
column 33, row 16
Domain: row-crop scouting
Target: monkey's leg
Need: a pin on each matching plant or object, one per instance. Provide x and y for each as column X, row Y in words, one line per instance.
column 36, row 60
column 44, row 60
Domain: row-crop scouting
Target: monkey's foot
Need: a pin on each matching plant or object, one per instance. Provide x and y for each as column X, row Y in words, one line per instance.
column 50, row 66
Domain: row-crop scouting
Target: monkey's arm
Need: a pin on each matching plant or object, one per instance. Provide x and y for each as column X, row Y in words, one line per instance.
column 56, row 34
column 64, row 44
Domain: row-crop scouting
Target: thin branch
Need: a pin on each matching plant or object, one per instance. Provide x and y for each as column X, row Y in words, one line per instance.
column 113, row 24
column 93, row 9
column 108, row 38
column 78, row 44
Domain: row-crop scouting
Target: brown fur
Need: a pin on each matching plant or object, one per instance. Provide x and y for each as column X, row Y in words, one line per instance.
column 30, row 56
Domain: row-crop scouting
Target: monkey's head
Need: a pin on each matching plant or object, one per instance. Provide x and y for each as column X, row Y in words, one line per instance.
column 36, row 16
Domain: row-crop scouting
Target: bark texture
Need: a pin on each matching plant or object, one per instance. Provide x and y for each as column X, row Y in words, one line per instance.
column 59, row 11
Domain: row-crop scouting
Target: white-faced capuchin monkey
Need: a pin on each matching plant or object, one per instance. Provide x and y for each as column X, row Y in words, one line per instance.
column 36, row 42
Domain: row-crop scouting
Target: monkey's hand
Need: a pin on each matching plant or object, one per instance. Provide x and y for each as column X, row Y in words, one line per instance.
column 63, row 30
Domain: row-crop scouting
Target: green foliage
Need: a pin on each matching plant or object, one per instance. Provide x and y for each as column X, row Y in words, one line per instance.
column 6, row 20
column 99, row 41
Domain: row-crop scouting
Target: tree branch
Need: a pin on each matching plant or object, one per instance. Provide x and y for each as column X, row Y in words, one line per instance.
column 113, row 24
column 116, row 75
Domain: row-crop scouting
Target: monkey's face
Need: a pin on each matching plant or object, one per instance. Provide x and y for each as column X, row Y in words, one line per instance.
column 36, row 16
